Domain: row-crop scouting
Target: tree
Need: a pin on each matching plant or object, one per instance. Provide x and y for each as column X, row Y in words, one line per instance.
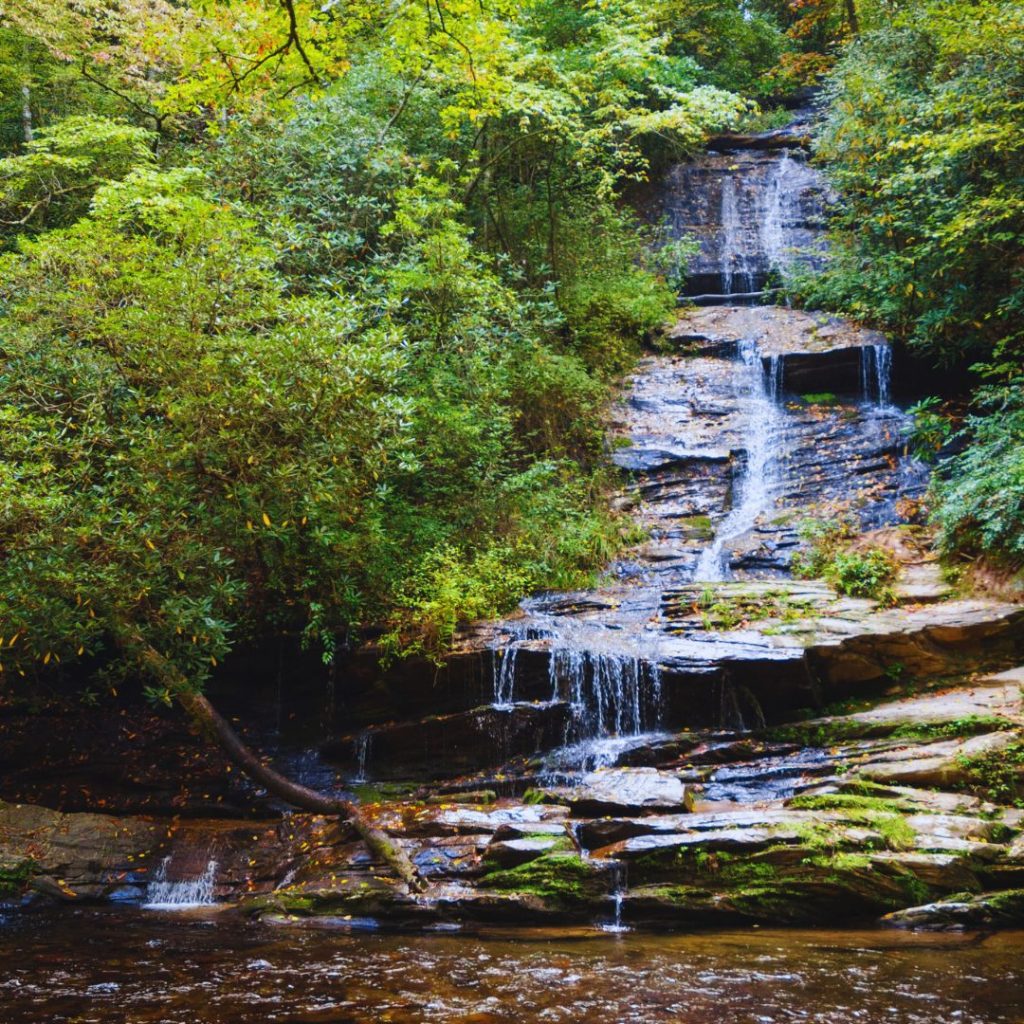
column 188, row 454
column 52, row 183
column 924, row 142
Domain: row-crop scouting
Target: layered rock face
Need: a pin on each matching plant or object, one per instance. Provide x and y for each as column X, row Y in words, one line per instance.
column 754, row 205
column 897, row 810
column 722, row 462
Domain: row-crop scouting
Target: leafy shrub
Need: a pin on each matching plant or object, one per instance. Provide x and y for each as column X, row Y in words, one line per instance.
column 828, row 554
column 923, row 139
column 980, row 492
column 862, row 573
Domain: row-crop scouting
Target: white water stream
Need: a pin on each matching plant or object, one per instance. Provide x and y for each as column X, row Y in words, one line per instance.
column 182, row 894
column 755, row 488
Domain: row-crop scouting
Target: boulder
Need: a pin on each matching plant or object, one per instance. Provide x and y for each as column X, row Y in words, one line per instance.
column 625, row 791
column 986, row 910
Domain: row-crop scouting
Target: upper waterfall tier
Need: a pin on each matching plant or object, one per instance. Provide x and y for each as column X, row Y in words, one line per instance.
column 754, row 212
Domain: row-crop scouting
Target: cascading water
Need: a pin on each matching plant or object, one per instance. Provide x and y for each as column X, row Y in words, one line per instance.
column 609, row 679
column 754, row 211
column 182, row 894
column 735, row 254
column 876, row 375
column 619, row 888
column 609, row 695
column 755, row 487
column 363, row 744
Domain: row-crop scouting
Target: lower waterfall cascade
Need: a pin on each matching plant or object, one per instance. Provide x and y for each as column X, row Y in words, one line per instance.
column 180, row 894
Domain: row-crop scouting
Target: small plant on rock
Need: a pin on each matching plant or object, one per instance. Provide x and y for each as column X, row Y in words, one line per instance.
column 829, row 555
column 863, row 574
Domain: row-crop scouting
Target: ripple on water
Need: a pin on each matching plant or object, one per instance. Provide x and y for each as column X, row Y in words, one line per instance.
column 65, row 967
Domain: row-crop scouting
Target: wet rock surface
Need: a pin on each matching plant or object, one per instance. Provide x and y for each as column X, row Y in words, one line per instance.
column 723, row 828
column 623, row 790
column 754, row 204
column 722, row 464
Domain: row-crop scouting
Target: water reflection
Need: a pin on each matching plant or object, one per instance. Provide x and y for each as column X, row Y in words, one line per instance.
column 118, row 966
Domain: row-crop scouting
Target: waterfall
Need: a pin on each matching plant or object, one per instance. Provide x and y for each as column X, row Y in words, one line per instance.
column 610, row 679
column 779, row 211
column 361, row 746
column 754, row 212
column 608, row 694
column 162, row 894
column 503, row 667
column 757, row 481
column 619, row 886
column 734, row 252
column 876, row 374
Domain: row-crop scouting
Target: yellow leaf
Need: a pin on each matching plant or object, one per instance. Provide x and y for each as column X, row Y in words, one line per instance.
column 150, row 545
column 266, row 520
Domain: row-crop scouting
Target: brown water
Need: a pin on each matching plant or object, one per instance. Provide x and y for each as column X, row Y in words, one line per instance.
column 136, row 967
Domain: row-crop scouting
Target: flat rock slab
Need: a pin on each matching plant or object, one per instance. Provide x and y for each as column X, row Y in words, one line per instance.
column 605, row 832
column 987, row 699
column 516, row 819
column 935, row 764
column 775, row 329
column 730, row 839
column 625, row 791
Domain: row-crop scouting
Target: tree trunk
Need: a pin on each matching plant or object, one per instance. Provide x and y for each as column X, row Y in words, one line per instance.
column 851, row 16
column 210, row 720
column 213, row 724
column 26, row 113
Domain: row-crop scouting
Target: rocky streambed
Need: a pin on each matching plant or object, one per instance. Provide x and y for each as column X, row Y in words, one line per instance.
column 902, row 812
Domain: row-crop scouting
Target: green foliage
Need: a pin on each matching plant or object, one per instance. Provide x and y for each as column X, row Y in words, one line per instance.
column 862, row 573
column 923, row 140
column 183, row 443
column 828, row 554
column 980, row 492
column 14, row 877
column 931, row 429
column 738, row 44
column 53, row 182
column 998, row 776
column 736, row 610
column 308, row 321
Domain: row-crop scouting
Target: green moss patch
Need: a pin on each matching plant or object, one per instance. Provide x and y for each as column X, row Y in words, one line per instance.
column 998, row 776
column 14, row 877
column 841, row 730
column 562, row 879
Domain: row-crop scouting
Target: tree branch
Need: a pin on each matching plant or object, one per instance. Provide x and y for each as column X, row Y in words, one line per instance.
column 158, row 119
column 214, row 725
